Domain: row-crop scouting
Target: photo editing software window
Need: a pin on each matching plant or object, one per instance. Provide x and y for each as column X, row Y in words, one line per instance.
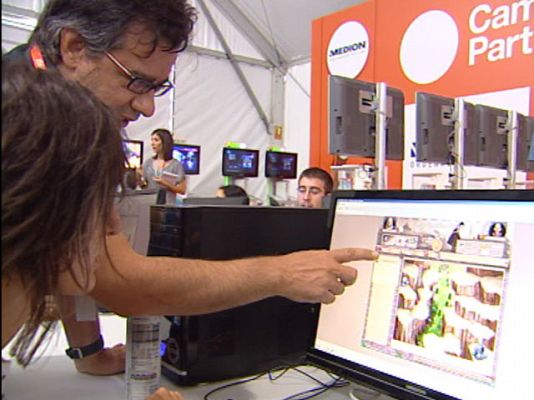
column 448, row 304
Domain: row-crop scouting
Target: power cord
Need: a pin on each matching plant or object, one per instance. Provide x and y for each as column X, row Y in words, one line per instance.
column 277, row 373
column 218, row 389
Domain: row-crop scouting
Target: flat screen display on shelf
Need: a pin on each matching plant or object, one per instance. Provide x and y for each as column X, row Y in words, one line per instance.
column 134, row 153
column 280, row 165
column 240, row 163
column 435, row 130
column 492, row 129
column 441, row 312
column 525, row 143
column 352, row 121
column 189, row 156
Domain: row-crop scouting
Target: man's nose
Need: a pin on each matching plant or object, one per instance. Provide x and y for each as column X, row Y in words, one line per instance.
column 144, row 104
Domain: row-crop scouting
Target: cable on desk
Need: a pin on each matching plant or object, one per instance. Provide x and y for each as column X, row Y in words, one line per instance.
column 282, row 370
column 218, row 389
column 316, row 391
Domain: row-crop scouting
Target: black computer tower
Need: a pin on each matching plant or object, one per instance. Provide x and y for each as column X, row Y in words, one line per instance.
column 248, row 339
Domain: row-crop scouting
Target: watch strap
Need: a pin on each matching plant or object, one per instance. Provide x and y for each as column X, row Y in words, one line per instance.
column 80, row 352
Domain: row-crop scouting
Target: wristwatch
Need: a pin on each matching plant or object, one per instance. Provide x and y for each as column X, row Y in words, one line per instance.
column 80, row 352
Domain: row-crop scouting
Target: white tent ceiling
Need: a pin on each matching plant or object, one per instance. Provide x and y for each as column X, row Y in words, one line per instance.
column 285, row 24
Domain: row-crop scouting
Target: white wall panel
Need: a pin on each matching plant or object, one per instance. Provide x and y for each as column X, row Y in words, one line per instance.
column 297, row 117
column 212, row 108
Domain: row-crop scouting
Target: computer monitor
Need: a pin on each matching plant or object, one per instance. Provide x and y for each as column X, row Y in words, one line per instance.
column 492, row 129
column 352, row 127
column 525, row 136
column 530, row 156
column 445, row 312
column 435, row 130
column 240, row 163
column 134, row 153
column 189, row 156
column 280, row 165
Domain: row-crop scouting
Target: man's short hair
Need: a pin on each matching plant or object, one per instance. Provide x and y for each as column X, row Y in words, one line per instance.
column 103, row 23
column 319, row 173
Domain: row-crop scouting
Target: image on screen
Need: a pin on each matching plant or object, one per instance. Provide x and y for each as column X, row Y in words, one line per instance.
column 280, row 165
column 189, row 156
column 240, row 163
column 134, row 153
column 443, row 309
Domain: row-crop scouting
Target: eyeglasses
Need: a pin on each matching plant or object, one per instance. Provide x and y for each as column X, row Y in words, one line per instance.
column 140, row 85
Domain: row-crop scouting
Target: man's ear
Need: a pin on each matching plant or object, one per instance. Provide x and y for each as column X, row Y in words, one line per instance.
column 72, row 48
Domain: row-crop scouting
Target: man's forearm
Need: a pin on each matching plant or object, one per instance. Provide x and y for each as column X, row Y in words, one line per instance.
column 133, row 284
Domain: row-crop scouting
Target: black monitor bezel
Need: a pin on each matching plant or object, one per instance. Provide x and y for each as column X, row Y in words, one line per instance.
column 268, row 170
column 188, row 171
column 242, row 174
column 380, row 381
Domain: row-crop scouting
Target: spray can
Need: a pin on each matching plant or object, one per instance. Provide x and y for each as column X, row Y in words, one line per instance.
column 143, row 361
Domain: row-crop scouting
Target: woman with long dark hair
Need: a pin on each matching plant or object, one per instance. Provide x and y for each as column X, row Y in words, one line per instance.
column 62, row 165
column 62, row 162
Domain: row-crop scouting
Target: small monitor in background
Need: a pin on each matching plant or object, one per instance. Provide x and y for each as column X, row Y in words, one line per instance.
column 352, row 119
column 240, row 163
column 189, row 156
column 134, row 153
column 280, row 165
column 492, row 129
column 525, row 137
column 435, row 130
column 530, row 156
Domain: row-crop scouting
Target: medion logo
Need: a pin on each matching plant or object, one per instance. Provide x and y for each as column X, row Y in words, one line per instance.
column 346, row 49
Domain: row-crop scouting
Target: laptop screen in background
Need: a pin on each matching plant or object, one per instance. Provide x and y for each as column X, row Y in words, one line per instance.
column 448, row 306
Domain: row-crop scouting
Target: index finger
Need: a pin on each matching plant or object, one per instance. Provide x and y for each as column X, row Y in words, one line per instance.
column 353, row 254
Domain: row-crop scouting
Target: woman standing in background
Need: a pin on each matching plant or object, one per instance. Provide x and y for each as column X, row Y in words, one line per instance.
column 161, row 171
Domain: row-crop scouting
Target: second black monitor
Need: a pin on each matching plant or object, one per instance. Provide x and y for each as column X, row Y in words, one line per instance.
column 189, row 156
column 240, row 163
column 280, row 165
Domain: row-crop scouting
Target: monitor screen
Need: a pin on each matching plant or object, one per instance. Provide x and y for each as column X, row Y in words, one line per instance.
column 134, row 153
column 240, row 163
column 280, row 165
column 352, row 126
column 446, row 309
column 189, row 156
column 435, row 130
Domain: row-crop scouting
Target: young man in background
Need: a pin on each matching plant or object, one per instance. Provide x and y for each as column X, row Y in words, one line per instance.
column 313, row 185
